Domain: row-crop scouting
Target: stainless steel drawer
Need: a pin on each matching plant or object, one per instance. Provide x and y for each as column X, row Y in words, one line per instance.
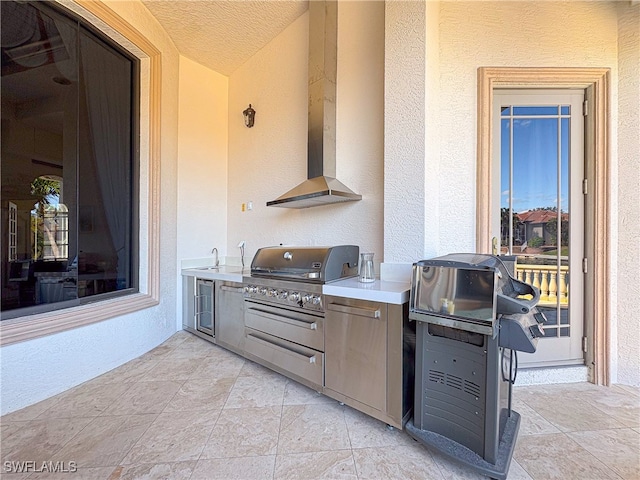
column 301, row 328
column 287, row 357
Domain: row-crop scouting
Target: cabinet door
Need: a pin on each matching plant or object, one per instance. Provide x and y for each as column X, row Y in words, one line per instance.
column 230, row 316
column 356, row 350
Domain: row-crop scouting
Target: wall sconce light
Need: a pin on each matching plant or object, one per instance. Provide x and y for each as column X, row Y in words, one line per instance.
column 249, row 116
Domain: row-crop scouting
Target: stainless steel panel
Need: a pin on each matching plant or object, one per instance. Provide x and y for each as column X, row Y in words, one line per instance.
column 356, row 350
column 302, row 328
column 230, row 316
column 309, row 264
column 188, row 292
column 288, row 358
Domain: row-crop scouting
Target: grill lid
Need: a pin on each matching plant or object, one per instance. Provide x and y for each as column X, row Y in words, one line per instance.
column 309, row 264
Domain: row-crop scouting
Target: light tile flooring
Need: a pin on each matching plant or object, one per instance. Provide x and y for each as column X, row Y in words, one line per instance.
column 191, row 410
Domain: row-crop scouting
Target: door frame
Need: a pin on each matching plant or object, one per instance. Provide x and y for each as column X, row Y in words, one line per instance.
column 596, row 83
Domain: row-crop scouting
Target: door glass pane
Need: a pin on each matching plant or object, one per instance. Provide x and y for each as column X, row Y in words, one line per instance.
column 205, row 305
column 553, row 110
column 535, row 206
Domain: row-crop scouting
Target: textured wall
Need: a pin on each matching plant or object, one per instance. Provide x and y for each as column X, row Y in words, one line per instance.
column 531, row 34
column 202, row 161
column 457, row 38
column 628, row 193
column 405, row 209
column 37, row 369
column 271, row 158
column 202, row 165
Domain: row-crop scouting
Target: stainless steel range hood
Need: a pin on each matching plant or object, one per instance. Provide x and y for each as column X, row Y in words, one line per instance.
column 322, row 187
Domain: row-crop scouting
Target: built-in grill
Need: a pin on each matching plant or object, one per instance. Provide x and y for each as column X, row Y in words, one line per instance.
column 472, row 317
column 284, row 307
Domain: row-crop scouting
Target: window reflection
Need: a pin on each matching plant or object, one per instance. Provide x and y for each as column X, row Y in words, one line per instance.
column 68, row 164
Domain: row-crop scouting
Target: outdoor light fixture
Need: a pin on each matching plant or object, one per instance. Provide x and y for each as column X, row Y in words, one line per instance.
column 249, row 116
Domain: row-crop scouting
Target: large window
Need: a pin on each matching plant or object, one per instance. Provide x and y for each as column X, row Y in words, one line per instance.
column 69, row 162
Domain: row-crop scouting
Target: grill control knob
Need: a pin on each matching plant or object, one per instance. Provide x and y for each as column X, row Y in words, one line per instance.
column 273, row 292
column 262, row 290
column 316, row 300
column 284, row 294
column 307, row 298
column 253, row 289
column 294, row 296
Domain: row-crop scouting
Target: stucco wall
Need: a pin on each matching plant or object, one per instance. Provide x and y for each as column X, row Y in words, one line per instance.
column 37, row 369
column 628, row 192
column 271, row 158
column 462, row 36
column 202, row 165
column 408, row 205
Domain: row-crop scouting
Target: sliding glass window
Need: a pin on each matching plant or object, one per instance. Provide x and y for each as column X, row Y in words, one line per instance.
column 69, row 162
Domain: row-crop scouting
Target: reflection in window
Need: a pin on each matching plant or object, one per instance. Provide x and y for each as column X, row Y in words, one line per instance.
column 68, row 164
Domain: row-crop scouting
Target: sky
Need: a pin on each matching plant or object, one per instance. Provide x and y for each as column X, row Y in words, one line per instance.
column 535, row 159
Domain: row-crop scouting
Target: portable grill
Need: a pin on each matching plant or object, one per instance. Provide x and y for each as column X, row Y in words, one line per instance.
column 471, row 320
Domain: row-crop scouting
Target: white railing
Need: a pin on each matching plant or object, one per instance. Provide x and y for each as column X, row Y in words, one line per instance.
column 552, row 283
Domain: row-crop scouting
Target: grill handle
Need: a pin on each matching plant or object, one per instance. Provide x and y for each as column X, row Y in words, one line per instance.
column 359, row 311
column 308, row 359
column 284, row 319
column 226, row 288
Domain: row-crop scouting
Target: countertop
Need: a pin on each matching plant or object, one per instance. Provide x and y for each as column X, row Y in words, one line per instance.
column 378, row 291
column 227, row 273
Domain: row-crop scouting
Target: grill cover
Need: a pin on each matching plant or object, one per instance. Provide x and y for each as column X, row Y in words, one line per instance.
column 308, row 264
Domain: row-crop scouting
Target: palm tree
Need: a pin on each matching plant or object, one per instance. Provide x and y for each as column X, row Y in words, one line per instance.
column 46, row 191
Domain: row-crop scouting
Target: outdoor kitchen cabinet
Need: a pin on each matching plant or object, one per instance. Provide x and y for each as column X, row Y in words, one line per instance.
column 230, row 316
column 364, row 344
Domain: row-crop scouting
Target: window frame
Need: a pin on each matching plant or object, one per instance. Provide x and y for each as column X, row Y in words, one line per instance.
column 105, row 21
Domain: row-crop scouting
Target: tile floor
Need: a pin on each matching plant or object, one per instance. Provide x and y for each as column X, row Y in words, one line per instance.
column 191, row 410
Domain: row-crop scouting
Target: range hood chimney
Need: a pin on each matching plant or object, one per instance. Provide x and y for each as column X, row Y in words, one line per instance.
column 322, row 187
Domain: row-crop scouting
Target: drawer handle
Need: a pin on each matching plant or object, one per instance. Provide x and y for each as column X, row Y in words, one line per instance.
column 283, row 319
column 360, row 311
column 311, row 359
column 226, row 288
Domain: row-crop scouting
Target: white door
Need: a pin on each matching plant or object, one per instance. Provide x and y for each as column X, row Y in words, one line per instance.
column 539, row 170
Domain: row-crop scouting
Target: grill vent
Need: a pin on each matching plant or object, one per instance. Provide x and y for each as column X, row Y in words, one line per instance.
column 437, row 377
column 456, row 382
column 472, row 388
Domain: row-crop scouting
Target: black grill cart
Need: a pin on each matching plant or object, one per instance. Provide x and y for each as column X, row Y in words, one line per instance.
column 471, row 321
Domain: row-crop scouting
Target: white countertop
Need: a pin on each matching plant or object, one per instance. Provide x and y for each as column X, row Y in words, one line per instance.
column 228, row 273
column 378, row 291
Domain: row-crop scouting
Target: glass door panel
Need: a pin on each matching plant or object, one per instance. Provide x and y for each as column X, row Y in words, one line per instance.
column 204, row 306
column 540, row 166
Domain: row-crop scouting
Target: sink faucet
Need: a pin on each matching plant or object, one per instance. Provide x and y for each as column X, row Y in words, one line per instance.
column 215, row 250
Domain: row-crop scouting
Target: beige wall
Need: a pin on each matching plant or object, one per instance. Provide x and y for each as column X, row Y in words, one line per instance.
column 474, row 34
column 202, row 161
column 627, row 287
column 271, row 158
